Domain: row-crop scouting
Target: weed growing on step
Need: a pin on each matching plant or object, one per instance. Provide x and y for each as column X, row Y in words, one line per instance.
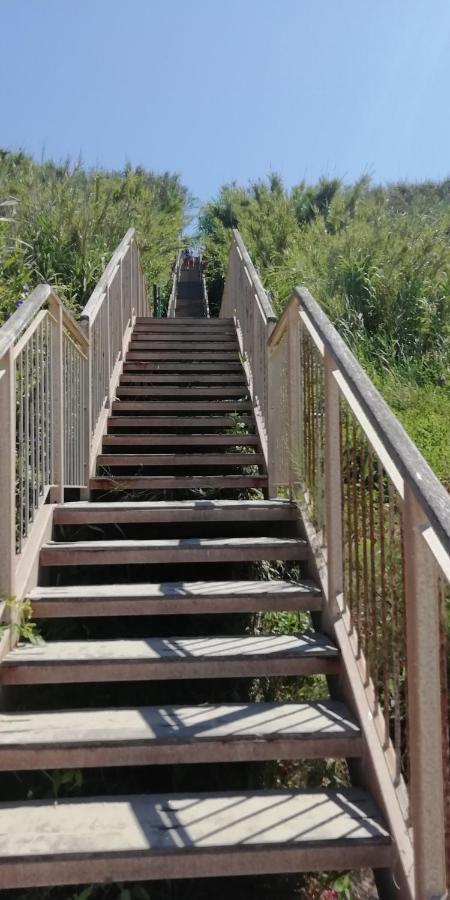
column 21, row 621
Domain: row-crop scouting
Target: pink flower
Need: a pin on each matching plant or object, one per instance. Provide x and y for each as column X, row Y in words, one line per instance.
column 329, row 894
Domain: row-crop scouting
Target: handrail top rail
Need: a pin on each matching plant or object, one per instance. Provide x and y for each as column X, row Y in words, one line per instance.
column 92, row 306
column 266, row 305
column 429, row 491
column 23, row 316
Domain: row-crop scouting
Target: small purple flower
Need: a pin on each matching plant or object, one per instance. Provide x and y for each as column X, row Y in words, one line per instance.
column 19, row 303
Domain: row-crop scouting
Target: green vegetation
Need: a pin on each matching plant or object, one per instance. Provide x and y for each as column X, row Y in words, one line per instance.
column 61, row 223
column 378, row 261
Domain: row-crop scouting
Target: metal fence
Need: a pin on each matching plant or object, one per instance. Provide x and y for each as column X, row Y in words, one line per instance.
column 56, row 382
column 378, row 521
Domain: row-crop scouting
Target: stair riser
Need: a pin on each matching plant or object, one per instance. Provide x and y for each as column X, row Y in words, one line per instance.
column 182, row 380
column 190, row 864
column 191, row 422
column 163, row 323
column 93, row 671
column 136, row 556
column 202, row 346
column 176, row 460
column 187, row 406
column 174, row 440
column 205, row 606
column 196, row 751
column 86, row 516
column 175, row 483
column 205, row 393
column 204, row 356
column 185, row 370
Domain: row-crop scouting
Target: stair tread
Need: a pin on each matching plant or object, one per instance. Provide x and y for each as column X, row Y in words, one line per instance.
column 174, row 482
column 183, row 405
column 176, row 511
column 178, row 589
column 193, row 505
column 177, row 544
column 172, row 649
column 171, row 823
column 177, row 724
column 162, row 440
column 180, row 459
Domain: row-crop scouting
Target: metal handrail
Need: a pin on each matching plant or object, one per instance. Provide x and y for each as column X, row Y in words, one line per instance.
column 57, row 379
column 429, row 491
column 378, row 524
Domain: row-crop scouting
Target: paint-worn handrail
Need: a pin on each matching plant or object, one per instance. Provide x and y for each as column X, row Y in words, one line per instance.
column 108, row 319
column 57, row 378
column 378, row 522
column 245, row 300
column 43, row 372
column 173, row 294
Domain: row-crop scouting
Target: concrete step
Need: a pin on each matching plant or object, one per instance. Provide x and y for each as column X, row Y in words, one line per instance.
column 171, row 550
column 174, row 598
column 169, row 836
column 176, row 735
column 71, row 662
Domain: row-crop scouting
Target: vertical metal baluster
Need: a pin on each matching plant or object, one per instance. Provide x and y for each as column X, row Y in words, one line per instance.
column 348, row 494
column 365, row 573
column 356, row 530
column 19, row 454
column 373, row 658
column 27, row 438
column 393, row 543
column 384, row 604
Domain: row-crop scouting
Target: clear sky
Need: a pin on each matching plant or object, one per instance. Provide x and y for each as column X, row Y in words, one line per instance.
column 218, row 90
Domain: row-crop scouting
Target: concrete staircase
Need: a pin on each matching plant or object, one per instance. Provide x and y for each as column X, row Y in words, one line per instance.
column 136, row 579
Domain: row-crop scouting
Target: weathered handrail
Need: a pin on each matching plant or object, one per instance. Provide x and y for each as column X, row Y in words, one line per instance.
column 56, row 382
column 173, row 294
column 108, row 319
column 43, row 371
column 378, row 521
column 245, row 300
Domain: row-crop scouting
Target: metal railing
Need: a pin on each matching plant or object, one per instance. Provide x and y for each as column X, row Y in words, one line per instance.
column 378, row 522
column 245, row 300
column 107, row 320
column 173, row 294
column 57, row 378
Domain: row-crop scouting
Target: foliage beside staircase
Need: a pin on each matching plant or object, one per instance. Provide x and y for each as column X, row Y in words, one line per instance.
column 60, row 223
column 378, row 261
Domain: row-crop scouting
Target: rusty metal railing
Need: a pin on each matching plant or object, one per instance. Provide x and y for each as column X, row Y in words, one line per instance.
column 378, row 522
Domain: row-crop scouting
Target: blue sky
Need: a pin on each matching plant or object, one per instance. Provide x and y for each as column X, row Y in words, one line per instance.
column 231, row 89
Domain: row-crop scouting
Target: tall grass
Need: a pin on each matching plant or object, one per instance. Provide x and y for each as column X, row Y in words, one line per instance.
column 61, row 223
column 378, row 261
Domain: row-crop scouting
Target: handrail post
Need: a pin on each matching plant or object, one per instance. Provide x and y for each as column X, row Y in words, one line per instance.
column 87, row 409
column 293, row 387
column 8, row 473
column 333, row 487
column 424, row 705
column 56, row 311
